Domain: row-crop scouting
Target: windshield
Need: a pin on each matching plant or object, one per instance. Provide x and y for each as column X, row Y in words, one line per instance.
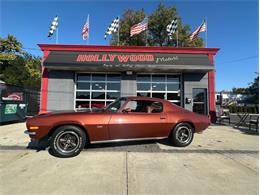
column 116, row 105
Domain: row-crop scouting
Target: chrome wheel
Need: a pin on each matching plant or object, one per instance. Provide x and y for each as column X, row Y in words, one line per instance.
column 184, row 134
column 67, row 141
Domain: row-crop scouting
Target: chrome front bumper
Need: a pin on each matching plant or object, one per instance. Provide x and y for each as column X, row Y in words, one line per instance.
column 29, row 132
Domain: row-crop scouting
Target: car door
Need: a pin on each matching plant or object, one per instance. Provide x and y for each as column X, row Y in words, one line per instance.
column 97, row 125
column 133, row 122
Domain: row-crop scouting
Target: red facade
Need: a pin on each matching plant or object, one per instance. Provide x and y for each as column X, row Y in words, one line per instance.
column 47, row 48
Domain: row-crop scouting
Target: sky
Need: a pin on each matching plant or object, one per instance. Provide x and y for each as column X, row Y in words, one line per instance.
column 232, row 26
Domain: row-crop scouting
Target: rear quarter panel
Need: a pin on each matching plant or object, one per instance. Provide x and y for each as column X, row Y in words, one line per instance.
column 177, row 115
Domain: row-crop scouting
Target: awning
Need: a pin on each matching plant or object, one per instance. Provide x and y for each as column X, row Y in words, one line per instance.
column 137, row 62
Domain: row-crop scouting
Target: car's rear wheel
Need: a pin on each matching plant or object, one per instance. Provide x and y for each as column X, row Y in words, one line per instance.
column 67, row 141
column 182, row 135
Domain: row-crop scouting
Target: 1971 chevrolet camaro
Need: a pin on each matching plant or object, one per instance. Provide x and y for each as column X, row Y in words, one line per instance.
column 126, row 119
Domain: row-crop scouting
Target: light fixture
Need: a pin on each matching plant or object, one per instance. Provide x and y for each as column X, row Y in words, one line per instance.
column 129, row 72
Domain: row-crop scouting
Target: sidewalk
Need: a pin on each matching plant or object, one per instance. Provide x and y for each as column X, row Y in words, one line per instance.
column 222, row 160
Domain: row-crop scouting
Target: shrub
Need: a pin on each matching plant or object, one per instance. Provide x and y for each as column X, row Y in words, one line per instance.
column 250, row 109
column 235, row 109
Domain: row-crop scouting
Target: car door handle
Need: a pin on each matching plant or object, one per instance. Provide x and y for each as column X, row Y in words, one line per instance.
column 162, row 117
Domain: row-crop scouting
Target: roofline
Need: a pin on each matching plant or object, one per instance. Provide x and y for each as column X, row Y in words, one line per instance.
column 144, row 98
column 147, row 49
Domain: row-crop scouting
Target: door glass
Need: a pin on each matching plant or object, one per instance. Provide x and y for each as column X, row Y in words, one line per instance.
column 146, row 106
column 115, row 106
column 199, row 100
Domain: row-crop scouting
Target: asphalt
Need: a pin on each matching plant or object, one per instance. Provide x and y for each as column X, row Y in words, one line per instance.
column 222, row 160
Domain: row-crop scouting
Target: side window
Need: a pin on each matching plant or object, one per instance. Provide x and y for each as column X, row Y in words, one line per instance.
column 132, row 106
column 155, row 107
column 144, row 106
column 115, row 106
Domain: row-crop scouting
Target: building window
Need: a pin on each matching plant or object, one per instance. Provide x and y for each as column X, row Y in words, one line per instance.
column 159, row 86
column 96, row 90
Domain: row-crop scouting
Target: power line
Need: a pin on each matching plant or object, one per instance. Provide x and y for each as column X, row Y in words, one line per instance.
column 241, row 59
column 36, row 49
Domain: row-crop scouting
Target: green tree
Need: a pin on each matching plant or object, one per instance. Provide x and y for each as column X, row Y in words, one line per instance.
column 129, row 18
column 10, row 48
column 252, row 91
column 156, row 34
column 18, row 67
column 240, row 90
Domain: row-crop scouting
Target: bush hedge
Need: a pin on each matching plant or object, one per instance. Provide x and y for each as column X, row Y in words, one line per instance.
column 248, row 109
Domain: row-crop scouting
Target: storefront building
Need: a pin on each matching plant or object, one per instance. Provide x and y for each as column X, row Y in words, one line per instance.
column 79, row 76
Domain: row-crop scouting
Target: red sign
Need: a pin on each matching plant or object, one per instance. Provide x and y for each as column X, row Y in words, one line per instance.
column 115, row 57
column 15, row 96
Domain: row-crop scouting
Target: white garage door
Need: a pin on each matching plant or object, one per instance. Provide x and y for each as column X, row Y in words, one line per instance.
column 96, row 90
column 164, row 86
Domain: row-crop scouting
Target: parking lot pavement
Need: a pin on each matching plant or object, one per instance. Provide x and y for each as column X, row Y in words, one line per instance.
column 222, row 160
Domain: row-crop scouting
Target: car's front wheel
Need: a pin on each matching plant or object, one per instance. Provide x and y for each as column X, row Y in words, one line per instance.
column 67, row 141
column 182, row 135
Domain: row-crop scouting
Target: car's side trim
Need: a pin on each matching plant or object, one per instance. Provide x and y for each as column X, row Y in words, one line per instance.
column 124, row 140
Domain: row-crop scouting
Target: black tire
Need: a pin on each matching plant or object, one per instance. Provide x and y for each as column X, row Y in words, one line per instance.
column 67, row 141
column 182, row 135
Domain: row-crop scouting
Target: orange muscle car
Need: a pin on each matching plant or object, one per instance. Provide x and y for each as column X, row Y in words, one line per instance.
column 128, row 118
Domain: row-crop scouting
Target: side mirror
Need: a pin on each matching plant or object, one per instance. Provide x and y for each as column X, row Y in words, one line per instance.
column 126, row 110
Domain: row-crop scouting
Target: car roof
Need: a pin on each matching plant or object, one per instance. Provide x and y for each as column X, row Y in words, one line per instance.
column 144, row 98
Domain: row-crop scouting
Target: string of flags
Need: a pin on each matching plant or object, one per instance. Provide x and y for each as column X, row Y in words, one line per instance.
column 134, row 30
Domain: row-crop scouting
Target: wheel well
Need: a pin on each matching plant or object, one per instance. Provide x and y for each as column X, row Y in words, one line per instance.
column 77, row 125
column 190, row 123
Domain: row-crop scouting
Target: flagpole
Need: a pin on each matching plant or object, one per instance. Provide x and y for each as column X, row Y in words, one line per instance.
column 206, row 34
column 88, row 30
column 88, row 39
column 118, row 38
column 57, row 35
column 146, row 34
column 177, row 37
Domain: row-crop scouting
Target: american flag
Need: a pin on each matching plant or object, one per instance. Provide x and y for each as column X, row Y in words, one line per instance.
column 85, row 30
column 140, row 27
column 201, row 28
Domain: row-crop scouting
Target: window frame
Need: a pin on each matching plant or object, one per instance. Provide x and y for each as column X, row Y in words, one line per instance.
column 90, row 90
column 165, row 82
